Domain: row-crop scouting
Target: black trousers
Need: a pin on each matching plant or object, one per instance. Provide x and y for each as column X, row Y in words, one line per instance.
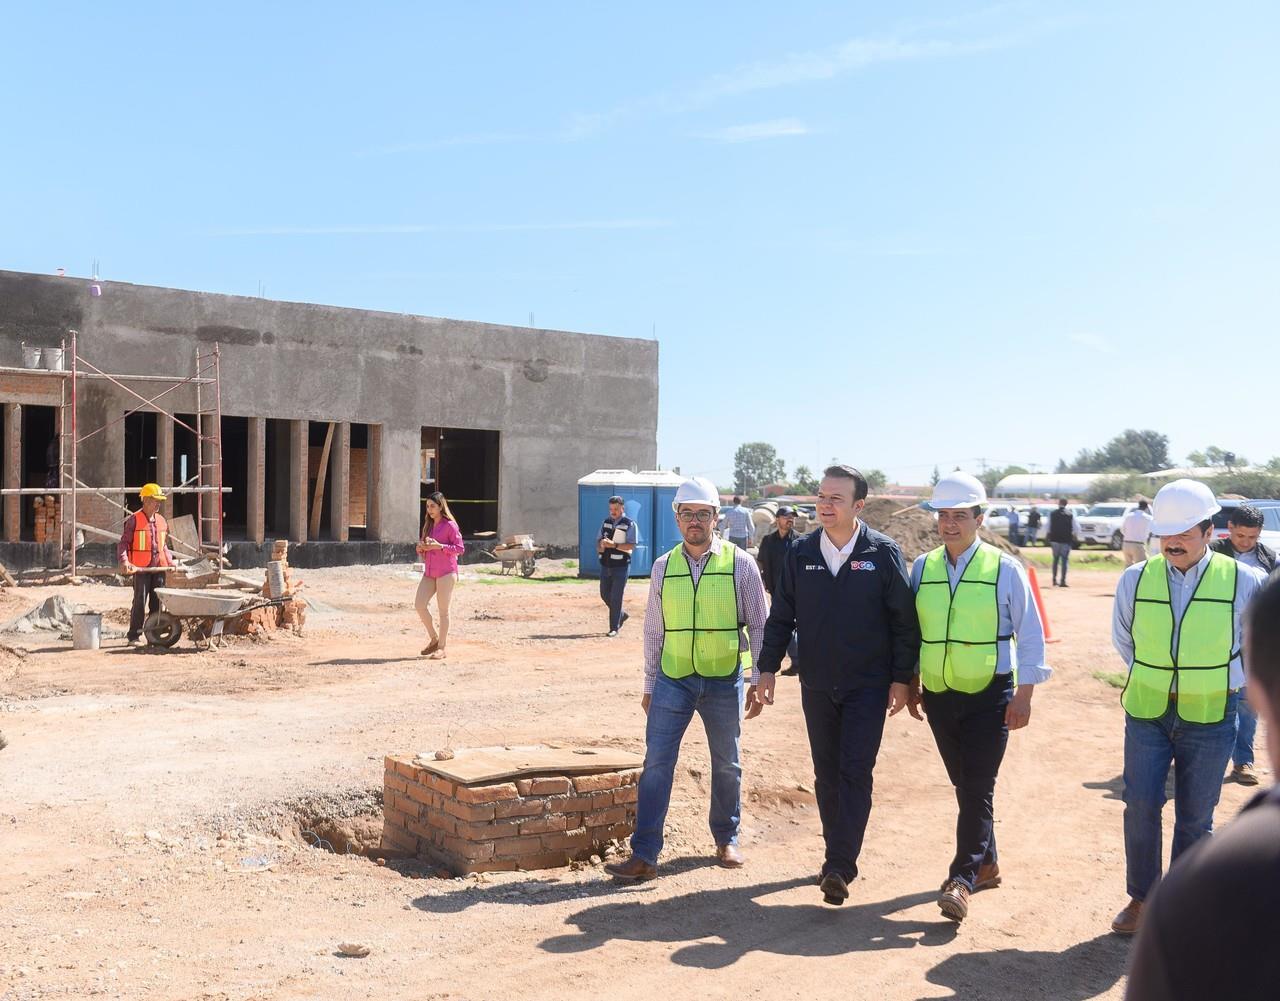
column 844, row 738
column 971, row 735
column 613, row 582
column 144, row 597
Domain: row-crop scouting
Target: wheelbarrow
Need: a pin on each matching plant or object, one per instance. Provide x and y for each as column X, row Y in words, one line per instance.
column 202, row 613
column 519, row 556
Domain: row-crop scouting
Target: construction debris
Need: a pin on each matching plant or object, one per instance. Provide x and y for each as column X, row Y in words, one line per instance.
column 52, row 615
column 277, row 582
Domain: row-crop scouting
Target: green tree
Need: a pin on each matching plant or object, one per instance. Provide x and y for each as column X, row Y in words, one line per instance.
column 991, row 477
column 1129, row 452
column 755, row 465
column 804, row 481
column 1215, row 456
column 876, row 479
column 933, row 480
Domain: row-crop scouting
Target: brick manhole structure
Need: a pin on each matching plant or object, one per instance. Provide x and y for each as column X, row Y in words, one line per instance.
column 494, row 809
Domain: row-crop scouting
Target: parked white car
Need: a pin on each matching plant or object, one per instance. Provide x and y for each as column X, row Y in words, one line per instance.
column 1101, row 523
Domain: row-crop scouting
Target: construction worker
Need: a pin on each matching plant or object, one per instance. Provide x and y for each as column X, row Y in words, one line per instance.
column 770, row 557
column 845, row 592
column 982, row 655
column 617, row 540
column 1209, row 931
column 1244, row 526
column 701, row 594
column 1135, row 531
column 1177, row 624
column 144, row 544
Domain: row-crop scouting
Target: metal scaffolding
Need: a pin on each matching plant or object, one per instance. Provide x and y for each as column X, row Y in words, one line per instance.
column 206, row 381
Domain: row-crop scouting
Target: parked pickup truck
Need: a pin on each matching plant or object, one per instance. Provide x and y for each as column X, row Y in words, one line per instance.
column 1101, row 524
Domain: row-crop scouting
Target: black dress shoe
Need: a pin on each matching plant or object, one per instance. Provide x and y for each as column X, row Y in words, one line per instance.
column 834, row 889
column 790, row 671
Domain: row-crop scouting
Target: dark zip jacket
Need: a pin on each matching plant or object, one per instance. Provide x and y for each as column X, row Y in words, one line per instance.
column 770, row 557
column 1265, row 556
column 857, row 629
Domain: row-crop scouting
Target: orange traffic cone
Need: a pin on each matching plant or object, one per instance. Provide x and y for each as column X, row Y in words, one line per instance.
column 1035, row 593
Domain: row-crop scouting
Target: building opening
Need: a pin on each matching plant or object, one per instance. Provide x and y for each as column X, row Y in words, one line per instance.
column 39, row 464
column 185, row 466
column 462, row 463
column 275, row 494
column 359, row 487
column 140, row 450
column 235, row 475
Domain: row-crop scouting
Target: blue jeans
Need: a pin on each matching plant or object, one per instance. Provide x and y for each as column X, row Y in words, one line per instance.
column 1243, row 753
column 741, row 541
column 719, row 702
column 844, row 739
column 1061, row 555
column 1199, row 753
column 613, row 582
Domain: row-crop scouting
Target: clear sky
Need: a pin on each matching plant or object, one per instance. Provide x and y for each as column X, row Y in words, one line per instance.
column 900, row 234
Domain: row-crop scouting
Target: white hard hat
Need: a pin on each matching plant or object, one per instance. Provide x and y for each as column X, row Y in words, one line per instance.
column 1179, row 504
column 696, row 490
column 957, row 490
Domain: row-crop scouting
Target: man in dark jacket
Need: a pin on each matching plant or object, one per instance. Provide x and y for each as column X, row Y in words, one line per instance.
column 770, row 557
column 1209, row 927
column 1244, row 526
column 844, row 590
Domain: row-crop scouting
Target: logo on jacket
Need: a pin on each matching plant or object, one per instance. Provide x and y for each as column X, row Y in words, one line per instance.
column 861, row 565
column 814, row 566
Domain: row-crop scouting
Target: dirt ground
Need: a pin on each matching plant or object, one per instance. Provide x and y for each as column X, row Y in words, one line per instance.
column 151, row 803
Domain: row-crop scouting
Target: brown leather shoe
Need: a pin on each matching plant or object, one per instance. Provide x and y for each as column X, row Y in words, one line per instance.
column 1127, row 921
column 834, row 889
column 729, row 856
column 953, row 901
column 633, row 870
column 988, row 876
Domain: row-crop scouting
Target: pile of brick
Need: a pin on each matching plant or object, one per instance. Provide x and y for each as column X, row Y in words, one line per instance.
column 48, row 518
column 290, row 615
column 530, row 822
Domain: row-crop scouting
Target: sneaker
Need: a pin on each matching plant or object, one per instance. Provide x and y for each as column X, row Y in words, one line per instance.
column 612, row 632
column 623, row 621
column 1245, row 775
column 134, row 641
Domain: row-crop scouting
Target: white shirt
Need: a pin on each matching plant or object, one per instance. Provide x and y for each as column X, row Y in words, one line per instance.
column 836, row 557
column 1136, row 526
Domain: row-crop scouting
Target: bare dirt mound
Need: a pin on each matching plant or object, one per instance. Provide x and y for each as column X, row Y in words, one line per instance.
column 914, row 528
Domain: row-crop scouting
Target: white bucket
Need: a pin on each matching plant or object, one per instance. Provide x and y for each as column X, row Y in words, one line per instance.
column 30, row 356
column 275, row 578
column 52, row 359
column 86, row 630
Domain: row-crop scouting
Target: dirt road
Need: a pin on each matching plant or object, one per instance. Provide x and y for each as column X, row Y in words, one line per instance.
column 150, row 806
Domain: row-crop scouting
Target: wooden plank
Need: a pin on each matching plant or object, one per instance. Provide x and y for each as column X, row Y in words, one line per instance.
column 12, row 470
column 318, row 496
column 471, row 765
column 182, row 535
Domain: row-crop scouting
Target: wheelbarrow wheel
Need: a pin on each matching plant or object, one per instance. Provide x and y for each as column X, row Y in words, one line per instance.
column 528, row 567
column 162, row 629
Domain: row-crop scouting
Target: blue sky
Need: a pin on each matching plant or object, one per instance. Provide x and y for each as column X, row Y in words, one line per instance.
column 898, row 234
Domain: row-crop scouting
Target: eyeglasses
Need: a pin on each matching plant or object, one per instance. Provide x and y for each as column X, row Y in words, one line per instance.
column 701, row 517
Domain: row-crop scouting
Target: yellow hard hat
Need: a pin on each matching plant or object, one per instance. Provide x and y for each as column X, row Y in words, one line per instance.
column 151, row 490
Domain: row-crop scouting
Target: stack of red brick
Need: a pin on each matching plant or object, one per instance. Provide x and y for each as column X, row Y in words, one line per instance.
column 533, row 822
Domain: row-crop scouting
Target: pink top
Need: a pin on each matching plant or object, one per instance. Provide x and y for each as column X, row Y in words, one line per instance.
column 443, row 562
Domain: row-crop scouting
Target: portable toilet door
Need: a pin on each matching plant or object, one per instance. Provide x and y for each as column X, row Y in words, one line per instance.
column 665, row 533
column 594, row 491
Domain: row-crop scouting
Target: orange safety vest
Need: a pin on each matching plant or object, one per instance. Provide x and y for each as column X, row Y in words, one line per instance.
column 140, row 547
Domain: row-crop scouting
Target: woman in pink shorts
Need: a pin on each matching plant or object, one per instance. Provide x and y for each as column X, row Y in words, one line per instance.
column 440, row 547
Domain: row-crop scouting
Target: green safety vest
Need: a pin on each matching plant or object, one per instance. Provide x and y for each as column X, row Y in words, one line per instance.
column 700, row 622
column 1206, row 644
column 960, row 630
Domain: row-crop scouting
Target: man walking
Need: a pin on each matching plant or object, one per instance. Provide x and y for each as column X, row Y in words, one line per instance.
column 1176, row 623
column 1244, row 526
column 1210, row 926
column 844, row 590
column 143, row 548
column 701, row 594
column 770, row 557
column 1136, row 533
column 738, row 526
column 1062, row 534
column 1033, row 525
column 617, row 540
column 981, row 657
column 1015, row 527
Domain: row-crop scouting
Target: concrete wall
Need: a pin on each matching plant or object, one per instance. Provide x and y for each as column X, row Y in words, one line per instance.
column 564, row 403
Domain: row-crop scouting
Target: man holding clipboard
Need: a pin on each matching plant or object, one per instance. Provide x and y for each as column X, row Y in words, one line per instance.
column 617, row 539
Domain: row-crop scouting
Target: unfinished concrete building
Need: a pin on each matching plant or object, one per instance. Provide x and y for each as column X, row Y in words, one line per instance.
column 335, row 423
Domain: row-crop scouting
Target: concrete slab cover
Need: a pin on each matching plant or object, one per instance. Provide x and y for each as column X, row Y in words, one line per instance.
column 471, row 765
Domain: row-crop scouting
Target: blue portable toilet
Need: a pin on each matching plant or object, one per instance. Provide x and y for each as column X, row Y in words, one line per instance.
column 646, row 497
column 594, row 491
column 665, row 534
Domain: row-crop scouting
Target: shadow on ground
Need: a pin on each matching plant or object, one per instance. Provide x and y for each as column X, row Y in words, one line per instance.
column 1085, row 970
column 741, row 922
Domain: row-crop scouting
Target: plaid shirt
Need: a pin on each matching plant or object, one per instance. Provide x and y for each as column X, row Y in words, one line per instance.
column 752, row 609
